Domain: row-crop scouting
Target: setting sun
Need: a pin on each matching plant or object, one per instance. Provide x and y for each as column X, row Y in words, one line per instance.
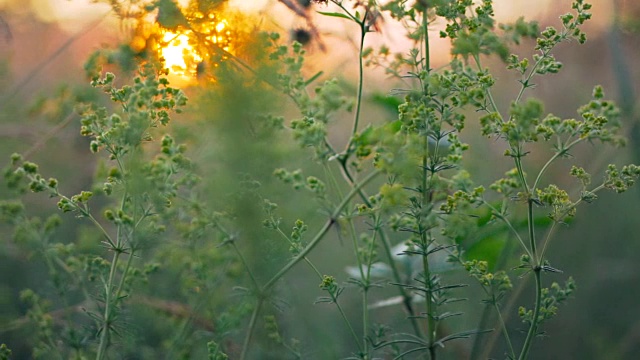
column 198, row 44
column 175, row 53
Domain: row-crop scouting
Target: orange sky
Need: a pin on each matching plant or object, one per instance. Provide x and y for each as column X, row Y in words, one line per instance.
column 75, row 16
column 71, row 14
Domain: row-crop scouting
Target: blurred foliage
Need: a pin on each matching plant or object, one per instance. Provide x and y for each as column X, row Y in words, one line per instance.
column 190, row 204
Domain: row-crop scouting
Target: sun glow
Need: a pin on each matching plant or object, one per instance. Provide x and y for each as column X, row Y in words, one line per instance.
column 179, row 55
column 190, row 50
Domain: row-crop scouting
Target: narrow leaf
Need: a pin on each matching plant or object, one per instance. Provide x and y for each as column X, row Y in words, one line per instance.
column 334, row 14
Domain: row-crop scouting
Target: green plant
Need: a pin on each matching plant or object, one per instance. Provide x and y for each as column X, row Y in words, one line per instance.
column 398, row 191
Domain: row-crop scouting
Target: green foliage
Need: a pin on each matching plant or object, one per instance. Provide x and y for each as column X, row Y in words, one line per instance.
column 214, row 352
column 5, row 352
column 551, row 298
column 183, row 242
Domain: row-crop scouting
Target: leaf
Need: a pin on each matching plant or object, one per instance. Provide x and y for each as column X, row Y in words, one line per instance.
column 487, row 249
column 366, row 136
column 411, row 263
column 485, row 215
column 394, row 126
column 389, row 103
column 313, row 78
column 334, row 14
column 461, row 335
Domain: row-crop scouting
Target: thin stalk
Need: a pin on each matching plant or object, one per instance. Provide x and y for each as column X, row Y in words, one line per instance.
column 302, row 256
column 109, row 295
column 547, row 238
column 482, row 324
column 506, row 251
column 365, row 280
column 104, row 336
column 386, row 245
column 127, row 266
column 533, row 328
column 252, row 325
column 124, row 275
column 552, row 159
column 85, row 212
column 425, row 29
column 354, row 239
column 346, row 320
column 523, row 179
column 363, row 33
column 347, row 175
column 371, row 248
column 430, row 305
column 505, row 332
column 430, row 308
column 497, row 214
column 315, row 269
column 525, row 81
column 494, row 105
column 246, row 266
column 335, row 301
column 321, row 232
column 333, row 179
column 532, row 235
column 365, row 321
column 365, row 290
column 534, row 69
column 508, row 309
column 553, row 227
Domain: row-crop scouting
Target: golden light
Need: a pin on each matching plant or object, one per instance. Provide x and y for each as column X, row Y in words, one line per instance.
column 179, row 55
column 193, row 47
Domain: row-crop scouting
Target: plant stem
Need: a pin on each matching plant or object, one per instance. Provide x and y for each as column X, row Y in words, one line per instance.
column 532, row 235
column 494, row 105
column 386, row 245
column 110, row 299
column 536, row 263
column 252, row 325
column 518, row 161
column 505, row 332
column 321, row 232
column 431, row 323
column 508, row 309
column 104, row 335
column 425, row 29
column 499, row 215
column 246, row 266
column 553, row 227
column 425, row 199
column 365, row 289
column 354, row 240
column 565, row 148
column 533, row 328
column 363, row 33
column 406, row 298
column 335, row 301
column 346, row 320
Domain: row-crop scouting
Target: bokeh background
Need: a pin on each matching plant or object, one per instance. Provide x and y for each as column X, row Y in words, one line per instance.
column 44, row 44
